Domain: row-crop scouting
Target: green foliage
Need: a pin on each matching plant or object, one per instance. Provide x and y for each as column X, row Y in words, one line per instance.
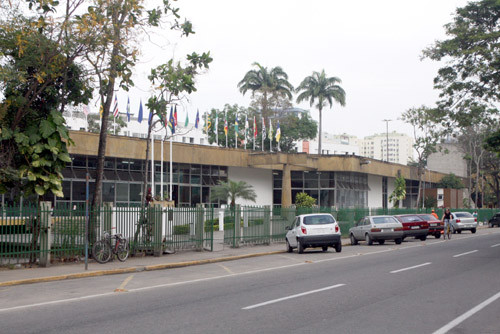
column 451, row 181
column 322, row 90
column 430, row 202
column 181, row 229
column 270, row 88
column 492, row 142
column 399, row 192
column 94, row 125
column 303, row 200
column 233, row 190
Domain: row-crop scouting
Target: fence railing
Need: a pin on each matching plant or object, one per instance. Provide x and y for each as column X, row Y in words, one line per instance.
column 41, row 234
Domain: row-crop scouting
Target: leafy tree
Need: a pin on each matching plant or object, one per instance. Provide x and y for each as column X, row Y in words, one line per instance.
column 303, row 200
column 469, row 79
column 430, row 202
column 233, row 190
column 451, row 181
column 399, row 192
column 492, row 142
column 323, row 90
column 39, row 79
column 491, row 161
column 426, row 136
column 270, row 88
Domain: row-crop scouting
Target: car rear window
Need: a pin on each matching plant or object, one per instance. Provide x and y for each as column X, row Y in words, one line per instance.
column 318, row 220
column 384, row 220
column 428, row 217
column 410, row 219
column 463, row 215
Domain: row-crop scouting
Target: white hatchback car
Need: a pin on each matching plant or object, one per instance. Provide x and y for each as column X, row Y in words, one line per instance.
column 313, row 230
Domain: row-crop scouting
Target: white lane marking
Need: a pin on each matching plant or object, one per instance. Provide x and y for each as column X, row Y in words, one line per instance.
column 495, row 245
column 292, row 296
column 56, row 302
column 409, row 268
column 466, row 253
column 466, row 315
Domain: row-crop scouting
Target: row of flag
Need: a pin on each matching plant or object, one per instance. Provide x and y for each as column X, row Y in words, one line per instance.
column 171, row 122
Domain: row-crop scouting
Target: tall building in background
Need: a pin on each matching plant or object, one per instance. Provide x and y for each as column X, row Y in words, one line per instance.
column 399, row 148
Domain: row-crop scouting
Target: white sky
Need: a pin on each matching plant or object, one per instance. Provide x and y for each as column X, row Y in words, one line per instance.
column 373, row 46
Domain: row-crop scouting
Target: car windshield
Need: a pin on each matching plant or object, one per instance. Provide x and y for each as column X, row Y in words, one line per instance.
column 318, row 220
column 410, row 219
column 428, row 217
column 384, row 220
column 463, row 215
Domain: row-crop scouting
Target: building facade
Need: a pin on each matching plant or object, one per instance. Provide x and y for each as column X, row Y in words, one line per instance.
column 392, row 147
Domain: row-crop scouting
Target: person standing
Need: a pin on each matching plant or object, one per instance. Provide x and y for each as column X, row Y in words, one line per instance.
column 446, row 220
column 434, row 214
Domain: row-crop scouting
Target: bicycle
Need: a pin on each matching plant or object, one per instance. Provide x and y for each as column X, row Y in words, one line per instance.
column 105, row 248
column 447, row 229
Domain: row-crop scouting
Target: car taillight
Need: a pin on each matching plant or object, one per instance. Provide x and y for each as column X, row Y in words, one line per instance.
column 458, row 220
column 398, row 229
column 475, row 219
column 336, row 228
column 375, row 230
column 303, row 229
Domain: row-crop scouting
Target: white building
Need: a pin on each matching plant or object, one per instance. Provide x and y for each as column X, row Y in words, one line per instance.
column 331, row 144
column 399, row 148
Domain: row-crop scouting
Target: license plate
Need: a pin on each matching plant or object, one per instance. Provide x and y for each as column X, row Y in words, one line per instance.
column 434, row 224
column 387, row 230
column 415, row 227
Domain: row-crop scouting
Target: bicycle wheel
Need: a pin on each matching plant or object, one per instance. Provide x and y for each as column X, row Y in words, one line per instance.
column 101, row 251
column 123, row 250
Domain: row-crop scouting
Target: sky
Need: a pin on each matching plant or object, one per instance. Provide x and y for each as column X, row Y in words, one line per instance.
column 374, row 47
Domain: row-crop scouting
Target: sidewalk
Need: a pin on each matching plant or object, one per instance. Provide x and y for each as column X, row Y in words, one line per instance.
column 56, row 272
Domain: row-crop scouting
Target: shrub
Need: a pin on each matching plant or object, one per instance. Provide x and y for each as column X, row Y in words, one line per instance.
column 303, row 200
column 181, row 229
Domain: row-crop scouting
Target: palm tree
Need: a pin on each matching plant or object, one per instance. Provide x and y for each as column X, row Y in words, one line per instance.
column 233, row 190
column 318, row 87
column 271, row 84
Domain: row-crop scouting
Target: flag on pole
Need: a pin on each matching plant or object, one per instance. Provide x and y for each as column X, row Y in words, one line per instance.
column 101, row 110
column 254, row 127
column 86, row 110
column 115, row 108
column 128, row 109
column 278, row 132
column 186, row 122
column 175, row 114
column 225, row 126
column 171, row 121
column 197, row 121
column 246, row 130
column 139, row 118
column 217, row 128
column 264, row 133
column 270, row 131
column 209, row 123
column 236, row 128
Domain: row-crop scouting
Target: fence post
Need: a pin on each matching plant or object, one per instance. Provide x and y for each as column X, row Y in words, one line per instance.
column 267, row 224
column 199, row 226
column 45, row 233
column 237, row 226
column 107, row 216
column 157, row 228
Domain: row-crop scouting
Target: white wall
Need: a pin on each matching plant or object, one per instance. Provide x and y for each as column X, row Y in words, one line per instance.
column 375, row 192
column 390, row 188
column 260, row 179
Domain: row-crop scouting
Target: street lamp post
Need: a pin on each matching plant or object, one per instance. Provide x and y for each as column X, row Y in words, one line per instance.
column 387, row 137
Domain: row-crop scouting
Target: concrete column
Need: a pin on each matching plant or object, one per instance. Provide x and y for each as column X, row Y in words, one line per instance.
column 45, row 233
column 286, row 187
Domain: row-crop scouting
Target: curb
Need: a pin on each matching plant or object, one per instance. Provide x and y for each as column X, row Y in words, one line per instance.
column 142, row 268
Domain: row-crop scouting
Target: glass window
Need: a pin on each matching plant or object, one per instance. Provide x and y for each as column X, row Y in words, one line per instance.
column 311, row 180
column 183, row 173
column 223, row 171
column 184, row 194
column 215, row 170
column 206, row 170
column 205, row 195
column 327, row 180
column 135, row 192
column 79, row 191
column 122, row 192
column 92, row 162
column 66, row 187
column 109, row 163
column 277, row 196
column 297, row 180
column 122, row 164
column 108, row 192
column 135, row 165
column 79, row 161
column 195, row 195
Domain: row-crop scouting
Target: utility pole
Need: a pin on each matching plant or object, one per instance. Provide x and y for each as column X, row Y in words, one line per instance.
column 387, row 137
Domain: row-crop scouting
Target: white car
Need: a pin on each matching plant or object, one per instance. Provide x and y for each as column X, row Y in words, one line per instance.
column 463, row 221
column 313, row 230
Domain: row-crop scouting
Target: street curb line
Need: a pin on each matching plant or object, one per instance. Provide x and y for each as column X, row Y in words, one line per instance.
column 141, row 268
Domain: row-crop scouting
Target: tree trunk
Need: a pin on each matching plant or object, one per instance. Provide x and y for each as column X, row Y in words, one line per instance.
column 320, row 131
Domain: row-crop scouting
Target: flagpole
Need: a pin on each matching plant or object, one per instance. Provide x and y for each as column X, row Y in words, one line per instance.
column 171, row 171
column 152, row 165
column 217, row 128
column 161, row 170
column 270, row 136
column 263, row 131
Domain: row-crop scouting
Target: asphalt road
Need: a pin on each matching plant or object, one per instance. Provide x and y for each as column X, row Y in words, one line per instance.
column 418, row 287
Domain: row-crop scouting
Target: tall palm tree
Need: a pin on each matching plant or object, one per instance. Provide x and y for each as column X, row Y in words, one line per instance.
column 233, row 190
column 318, row 87
column 269, row 83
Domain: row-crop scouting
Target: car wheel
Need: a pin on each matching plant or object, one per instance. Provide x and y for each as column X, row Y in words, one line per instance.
column 300, row 247
column 459, row 231
column 338, row 247
column 490, row 225
column 473, row 230
column 324, row 248
column 437, row 235
column 381, row 242
column 398, row 241
column 353, row 240
column 403, row 239
column 289, row 248
column 423, row 238
column 368, row 239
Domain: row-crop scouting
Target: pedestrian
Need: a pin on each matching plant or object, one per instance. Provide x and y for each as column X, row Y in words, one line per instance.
column 446, row 220
column 434, row 214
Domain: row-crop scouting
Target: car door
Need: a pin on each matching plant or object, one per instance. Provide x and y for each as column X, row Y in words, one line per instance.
column 359, row 229
column 292, row 234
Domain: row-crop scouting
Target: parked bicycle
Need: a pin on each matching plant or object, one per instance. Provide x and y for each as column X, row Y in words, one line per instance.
column 103, row 250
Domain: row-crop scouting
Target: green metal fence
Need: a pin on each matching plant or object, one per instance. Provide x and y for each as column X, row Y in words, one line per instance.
column 38, row 234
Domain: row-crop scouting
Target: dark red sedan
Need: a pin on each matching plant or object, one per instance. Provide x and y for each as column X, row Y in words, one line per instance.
column 413, row 226
column 435, row 225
